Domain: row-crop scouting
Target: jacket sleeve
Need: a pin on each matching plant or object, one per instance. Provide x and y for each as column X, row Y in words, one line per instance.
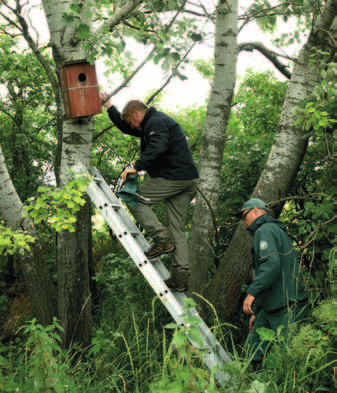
column 116, row 118
column 157, row 135
column 266, row 249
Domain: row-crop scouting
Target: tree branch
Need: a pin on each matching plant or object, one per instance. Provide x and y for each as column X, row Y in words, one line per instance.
column 269, row 54
column 141, row 65
column 173, row 72
column 8, row 114
column 137, row 28
column 102, row 132
column 52, row 78
column 311, row 238
column 119, row 15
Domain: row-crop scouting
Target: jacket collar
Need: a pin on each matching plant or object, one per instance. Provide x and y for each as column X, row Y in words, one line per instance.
column 263, row 219
column 148, row 114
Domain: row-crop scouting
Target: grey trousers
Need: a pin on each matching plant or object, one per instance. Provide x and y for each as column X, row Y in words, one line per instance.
column 177, row 195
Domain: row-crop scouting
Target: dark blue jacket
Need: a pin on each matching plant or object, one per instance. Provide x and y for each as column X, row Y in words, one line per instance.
column 164, row 148
column 278, row 280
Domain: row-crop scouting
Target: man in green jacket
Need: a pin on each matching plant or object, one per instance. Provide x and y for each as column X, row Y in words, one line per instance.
column 277, row 291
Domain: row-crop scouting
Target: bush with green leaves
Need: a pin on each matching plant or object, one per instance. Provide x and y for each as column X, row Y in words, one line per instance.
column 41, row 367
column 299, row 362
column 58, row 206
column 14, row 242
column 27, row 116
column 120, row 285
column 326, row 310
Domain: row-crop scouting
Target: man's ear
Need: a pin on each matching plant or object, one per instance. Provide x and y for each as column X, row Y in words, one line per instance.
column 139, row 115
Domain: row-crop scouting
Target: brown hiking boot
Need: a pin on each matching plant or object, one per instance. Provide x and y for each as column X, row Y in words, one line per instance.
column 159, row 249
column 175, row 286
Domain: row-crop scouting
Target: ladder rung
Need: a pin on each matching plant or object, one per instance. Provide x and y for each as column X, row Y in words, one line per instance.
column 113, row 205
column 154, row 271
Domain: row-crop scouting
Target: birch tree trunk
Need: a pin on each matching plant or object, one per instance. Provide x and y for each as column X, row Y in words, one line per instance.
column 213, row 140
column 283, row 163
column 73, row 249
column 40, row 288
column 74, row 253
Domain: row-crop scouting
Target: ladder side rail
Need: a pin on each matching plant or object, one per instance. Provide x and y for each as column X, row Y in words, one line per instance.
column 131, row 246
column 163, row 272
column 114, row 213
column 157, row 264
column 212, row 342
column 116, row 202
column 109, row 194
column 144, row 244
column 136, row 257
column 205, row 332
column 212, row 362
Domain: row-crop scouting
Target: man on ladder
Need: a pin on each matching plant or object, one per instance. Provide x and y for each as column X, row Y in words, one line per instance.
column 165, row 155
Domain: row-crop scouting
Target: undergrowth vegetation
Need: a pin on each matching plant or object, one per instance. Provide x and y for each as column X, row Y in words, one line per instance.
column 137, row 348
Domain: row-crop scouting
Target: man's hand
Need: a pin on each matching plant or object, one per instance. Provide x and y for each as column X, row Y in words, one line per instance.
column 251, row 322
column 105, row 101
column 247, row 305
column 127, row 172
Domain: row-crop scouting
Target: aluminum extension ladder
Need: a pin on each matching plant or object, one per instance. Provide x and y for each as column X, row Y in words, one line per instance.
column 154, row 271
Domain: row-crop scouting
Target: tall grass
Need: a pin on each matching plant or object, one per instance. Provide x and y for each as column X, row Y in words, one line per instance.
column 136, row 350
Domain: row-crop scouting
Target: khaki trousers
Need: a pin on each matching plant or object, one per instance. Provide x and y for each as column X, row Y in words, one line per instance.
column 177, row 195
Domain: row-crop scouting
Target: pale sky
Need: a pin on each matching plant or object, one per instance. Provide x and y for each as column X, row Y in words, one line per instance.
column 193, row 91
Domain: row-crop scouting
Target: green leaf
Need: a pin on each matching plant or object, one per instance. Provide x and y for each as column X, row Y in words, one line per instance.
column 195, row 335
column 196, row 37
column 171, row 326
column 179, row 340
column 68, row 17
column 79, row 200
column 75, row 8
column 258, row 387
column 10, row 386
column 3, row 361
column 265, row 334
column 83, row 31
column 70, row 204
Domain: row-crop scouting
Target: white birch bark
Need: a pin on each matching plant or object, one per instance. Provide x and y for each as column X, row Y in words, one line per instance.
column 285, row 158
column 40, row 288
column 291, row 141
column 213, row 140
column 73, row 249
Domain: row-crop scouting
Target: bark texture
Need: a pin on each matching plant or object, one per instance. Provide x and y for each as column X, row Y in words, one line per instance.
column 73, row 249
column 40, row 288
column 213, row 140
column 284, row 161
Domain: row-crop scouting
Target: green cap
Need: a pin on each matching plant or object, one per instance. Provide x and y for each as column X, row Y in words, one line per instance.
column 254, row 202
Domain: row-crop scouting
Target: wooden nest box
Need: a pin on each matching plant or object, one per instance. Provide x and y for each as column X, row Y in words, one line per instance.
column 79, row 89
